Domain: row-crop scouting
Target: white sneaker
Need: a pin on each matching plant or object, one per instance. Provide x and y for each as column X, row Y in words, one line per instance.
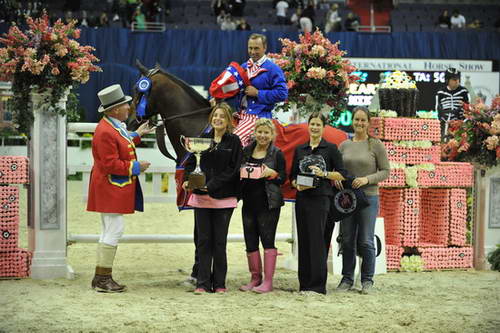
column 189, row 282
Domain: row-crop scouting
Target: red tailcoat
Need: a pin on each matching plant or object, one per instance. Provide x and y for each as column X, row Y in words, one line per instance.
column 114, row 187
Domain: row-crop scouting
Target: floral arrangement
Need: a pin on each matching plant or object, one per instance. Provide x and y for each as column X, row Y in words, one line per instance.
column 427, row 114
column 475, row 139
column 398, row 80
column 316, row 73
column 43, row 58
column 387, row 114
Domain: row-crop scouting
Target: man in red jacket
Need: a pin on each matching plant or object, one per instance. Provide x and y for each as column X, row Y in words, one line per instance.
column 114, row 188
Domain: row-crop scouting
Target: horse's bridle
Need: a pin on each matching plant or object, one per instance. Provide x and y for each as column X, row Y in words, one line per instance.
column 161, row 128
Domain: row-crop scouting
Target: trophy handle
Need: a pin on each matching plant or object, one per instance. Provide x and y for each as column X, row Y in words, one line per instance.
column 182, row 139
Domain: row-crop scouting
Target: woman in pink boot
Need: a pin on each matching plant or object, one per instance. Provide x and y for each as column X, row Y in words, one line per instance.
column 262, row 172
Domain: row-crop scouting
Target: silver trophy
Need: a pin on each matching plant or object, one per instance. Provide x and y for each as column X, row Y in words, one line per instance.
column 306, row 177
column 196, row 146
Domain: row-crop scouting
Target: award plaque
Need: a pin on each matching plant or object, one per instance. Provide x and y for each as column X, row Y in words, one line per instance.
column 306, row 177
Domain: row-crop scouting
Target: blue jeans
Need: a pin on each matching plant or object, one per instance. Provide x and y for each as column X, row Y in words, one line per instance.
column 358, row 232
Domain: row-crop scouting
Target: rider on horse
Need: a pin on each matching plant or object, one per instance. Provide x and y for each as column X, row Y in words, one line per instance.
column 259, row 82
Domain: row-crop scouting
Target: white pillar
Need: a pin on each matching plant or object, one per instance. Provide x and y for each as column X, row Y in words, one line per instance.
column 47, row 193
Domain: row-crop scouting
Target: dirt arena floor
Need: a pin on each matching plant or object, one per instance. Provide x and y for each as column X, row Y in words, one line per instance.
column 157, row 301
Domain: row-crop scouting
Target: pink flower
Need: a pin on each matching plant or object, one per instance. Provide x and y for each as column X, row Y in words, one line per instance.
column 55, row 71
column 290, row 84
column 76, row 33
column 298, row 65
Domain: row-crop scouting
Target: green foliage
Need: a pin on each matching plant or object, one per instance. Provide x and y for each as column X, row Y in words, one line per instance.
column 74, row 111
column 494, row 259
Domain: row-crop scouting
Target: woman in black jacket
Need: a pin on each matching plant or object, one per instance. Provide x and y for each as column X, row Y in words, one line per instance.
column 312, row 204
column 214, row 204
column 262, row 201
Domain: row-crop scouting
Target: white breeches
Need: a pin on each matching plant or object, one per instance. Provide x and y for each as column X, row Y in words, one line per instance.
column 113, row 226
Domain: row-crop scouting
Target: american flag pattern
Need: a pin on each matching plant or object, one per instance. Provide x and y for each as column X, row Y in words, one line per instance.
column 254, row 69
column 245, row 128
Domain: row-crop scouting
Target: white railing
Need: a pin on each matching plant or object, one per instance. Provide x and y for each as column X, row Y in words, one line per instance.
column 374, row 28
column 80, row 160
column 148, row 27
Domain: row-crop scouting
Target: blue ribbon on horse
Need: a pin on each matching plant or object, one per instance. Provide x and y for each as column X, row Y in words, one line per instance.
column 144, row 86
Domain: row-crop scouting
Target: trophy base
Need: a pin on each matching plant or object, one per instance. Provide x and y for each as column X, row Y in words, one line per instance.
column 196, row 181
column 308, row 180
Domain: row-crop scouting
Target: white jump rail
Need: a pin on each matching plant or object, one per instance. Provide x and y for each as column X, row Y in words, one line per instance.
column 148, row 238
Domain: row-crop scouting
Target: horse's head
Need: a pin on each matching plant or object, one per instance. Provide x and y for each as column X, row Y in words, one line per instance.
column 182, row 110
column 143, row 91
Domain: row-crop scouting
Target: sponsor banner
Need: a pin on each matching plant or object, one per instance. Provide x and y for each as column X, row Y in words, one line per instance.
column 390, row 64
column 484, row 85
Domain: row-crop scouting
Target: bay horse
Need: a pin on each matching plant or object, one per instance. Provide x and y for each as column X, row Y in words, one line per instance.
column 185, row 112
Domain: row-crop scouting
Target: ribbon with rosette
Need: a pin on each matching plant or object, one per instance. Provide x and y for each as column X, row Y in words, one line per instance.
column 143, row 86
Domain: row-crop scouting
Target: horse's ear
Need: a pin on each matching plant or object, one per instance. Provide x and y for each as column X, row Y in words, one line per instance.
column 144, row 71
column 157, row 66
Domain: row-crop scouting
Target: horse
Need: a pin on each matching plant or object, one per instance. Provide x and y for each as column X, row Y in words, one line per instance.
column 185, row 112
column 182, row 109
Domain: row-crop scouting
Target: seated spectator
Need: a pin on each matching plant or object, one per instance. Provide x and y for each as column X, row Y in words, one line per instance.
column 457, row 20
column 306, row 24
column 139, row 18
column 324, row 5
column 228, row 23
column 294, row 3
column 333, row 20
column 103, row 20
column 476, row 24
column 243, row 25
column 130, row 7
column 281, row 8
column 309, row 11
column 444, row 20
column 152, row 10
column 296, row 17
column 84, row 22
column 222, row 15
column 218, row 6
column 497, row 24
column 68, row 16
column 351, row 23
column 237, row 7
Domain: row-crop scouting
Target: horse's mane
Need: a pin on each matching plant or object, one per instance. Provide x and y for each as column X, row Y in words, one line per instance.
column 186, row 87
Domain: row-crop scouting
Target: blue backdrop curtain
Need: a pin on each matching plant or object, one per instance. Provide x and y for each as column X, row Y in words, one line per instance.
column 199, row 56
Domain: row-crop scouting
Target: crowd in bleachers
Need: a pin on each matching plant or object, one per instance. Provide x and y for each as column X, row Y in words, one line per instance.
column 278, row 15
column 88, row 13
column 443, row 17
column 281, row 15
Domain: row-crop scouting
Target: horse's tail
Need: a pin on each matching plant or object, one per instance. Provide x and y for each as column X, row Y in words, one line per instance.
column 144, row 71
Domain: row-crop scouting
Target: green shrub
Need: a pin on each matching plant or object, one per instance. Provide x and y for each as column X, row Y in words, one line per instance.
column 494, row 259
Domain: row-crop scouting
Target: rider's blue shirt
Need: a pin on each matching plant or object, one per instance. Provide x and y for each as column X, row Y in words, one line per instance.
column 272, row 88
